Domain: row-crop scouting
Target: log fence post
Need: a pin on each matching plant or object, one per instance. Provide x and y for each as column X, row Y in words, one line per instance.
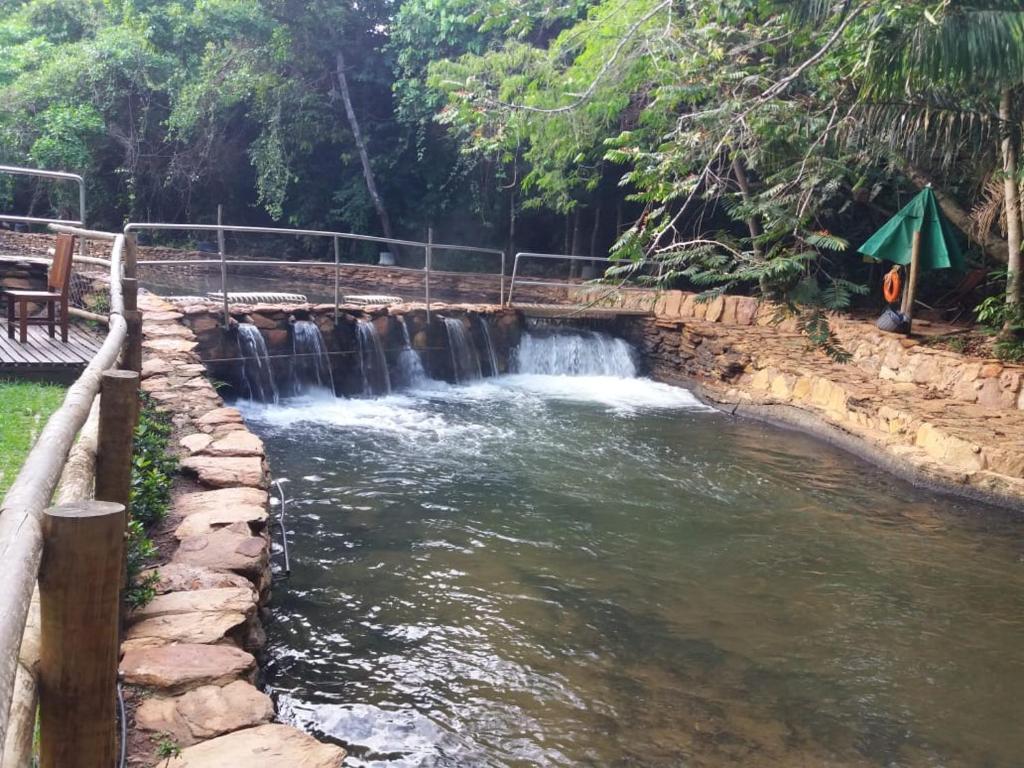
column 118, row 412
column 79, row 588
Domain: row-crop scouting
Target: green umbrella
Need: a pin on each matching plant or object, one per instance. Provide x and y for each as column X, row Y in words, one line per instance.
column 920, row 236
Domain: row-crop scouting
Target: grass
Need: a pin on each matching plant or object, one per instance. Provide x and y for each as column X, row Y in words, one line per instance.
column 26, row 406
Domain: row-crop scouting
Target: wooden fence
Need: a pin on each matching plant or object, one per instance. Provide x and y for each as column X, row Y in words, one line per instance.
column 30, row 533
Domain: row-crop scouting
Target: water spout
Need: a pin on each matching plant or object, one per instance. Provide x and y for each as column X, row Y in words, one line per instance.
column 465, row 359
column 485, row 331
column 579, row 353
column 257, row 376
column 372, row 364
column 410, row 367
column 311, row 365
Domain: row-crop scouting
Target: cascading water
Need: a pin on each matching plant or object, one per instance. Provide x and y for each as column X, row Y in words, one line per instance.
column 410, row 367
column 311, row 366
column 578, row 353
column 372, row 363
column 465, row 359
column 257, row 376
column 492, row 359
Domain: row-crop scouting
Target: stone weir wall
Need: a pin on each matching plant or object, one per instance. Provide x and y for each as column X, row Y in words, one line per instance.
column 220, row 349
column 189, row 657
column 933, row 416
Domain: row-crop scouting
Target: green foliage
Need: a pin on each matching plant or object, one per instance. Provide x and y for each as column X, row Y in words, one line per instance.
column 152, row 469
column 167, row 748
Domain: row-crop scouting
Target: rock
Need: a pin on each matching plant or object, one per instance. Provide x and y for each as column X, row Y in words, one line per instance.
column 161, row 316
column 195, row 443
column 180, row 577
column 224, row 498
column 265, row 746
column 214, row 600
column 161, row 330
column 202, row 523
column 169, row 344
column 219, row 416
column 238, row 443
column 205, row 712
column 229, row 549
column 156, row 365
column 181, row 628
column 185, row 665
column 227, row 471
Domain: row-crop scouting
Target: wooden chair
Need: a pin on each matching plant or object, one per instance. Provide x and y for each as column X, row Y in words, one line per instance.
column 57, row 285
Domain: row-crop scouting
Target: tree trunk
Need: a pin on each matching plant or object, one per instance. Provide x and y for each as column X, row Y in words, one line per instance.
column 595, row 230
column 364, row 158
column 752, row 222
column 577, row 234
column 960, row 218
column 1010, row 149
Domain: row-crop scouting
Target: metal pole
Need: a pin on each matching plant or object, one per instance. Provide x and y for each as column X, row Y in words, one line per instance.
column 223, row 262
column 501, row 286
column 426, row 270
column 512, row 283
column 83, row 248
column 337, row 268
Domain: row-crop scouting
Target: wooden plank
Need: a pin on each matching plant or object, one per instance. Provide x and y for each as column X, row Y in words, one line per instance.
column 43, row 352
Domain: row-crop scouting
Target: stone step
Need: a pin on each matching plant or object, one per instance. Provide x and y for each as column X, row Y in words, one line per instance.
column 227, row 471
column 265, row 746
column 231, row 549
column 205, row 713
column 183, row 666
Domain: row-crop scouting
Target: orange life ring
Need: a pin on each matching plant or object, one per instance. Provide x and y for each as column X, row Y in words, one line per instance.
column 892, row 285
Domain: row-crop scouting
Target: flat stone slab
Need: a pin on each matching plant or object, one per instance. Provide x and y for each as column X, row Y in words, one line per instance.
column 202, row 523
column 231, row 549
column 186, row 665
column 237, row 443
column 195, row 443
column 265, row 746
column 224, row 498
column 220, row 416
column 154, row 366
column 181, row 628
column 169, row 344
column 218, row 599
column 205, row 712
column 227, row 471
column 180, row 577
column 155, row 330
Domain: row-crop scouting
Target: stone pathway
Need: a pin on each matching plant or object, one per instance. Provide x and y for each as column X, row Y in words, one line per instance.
column 191, row 649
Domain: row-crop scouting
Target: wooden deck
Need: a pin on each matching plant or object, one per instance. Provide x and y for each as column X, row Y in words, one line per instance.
column 41, row 354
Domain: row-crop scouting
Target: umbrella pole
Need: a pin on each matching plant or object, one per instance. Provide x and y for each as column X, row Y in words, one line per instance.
column 915, row 268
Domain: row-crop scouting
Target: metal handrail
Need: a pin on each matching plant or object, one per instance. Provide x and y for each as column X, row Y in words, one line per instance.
column 555, row 257
column 428, row 248
column 39, row 172
column 22, row 509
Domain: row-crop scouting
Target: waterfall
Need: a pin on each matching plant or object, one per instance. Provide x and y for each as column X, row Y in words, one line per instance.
column 577, row 353
column 410, row 367
column 257, row 375
column 372, row 363
column 311, row 366
column 492, row 359
column 465, row 360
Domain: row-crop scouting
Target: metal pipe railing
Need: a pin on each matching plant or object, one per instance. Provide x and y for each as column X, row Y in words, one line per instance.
column 21, row 539
column 40, row 173
column 429, row 248
column 556, row 257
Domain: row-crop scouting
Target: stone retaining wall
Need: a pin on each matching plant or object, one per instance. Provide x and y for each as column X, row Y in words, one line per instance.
column 987, row 382
column 220, row 348
column 916, row 428
column 189, row 656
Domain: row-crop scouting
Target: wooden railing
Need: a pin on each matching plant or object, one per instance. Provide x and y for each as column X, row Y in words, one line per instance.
column 23, row 508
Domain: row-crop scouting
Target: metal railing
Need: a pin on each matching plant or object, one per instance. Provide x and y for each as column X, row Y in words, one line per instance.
column 428, row 247
column 559, row 283
column 40, row 173
column 21, row 513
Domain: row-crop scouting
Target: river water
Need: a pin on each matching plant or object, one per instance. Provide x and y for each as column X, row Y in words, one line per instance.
column 546, row 570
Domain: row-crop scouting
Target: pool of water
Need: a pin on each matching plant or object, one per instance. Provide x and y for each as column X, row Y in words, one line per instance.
column 598, row 571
